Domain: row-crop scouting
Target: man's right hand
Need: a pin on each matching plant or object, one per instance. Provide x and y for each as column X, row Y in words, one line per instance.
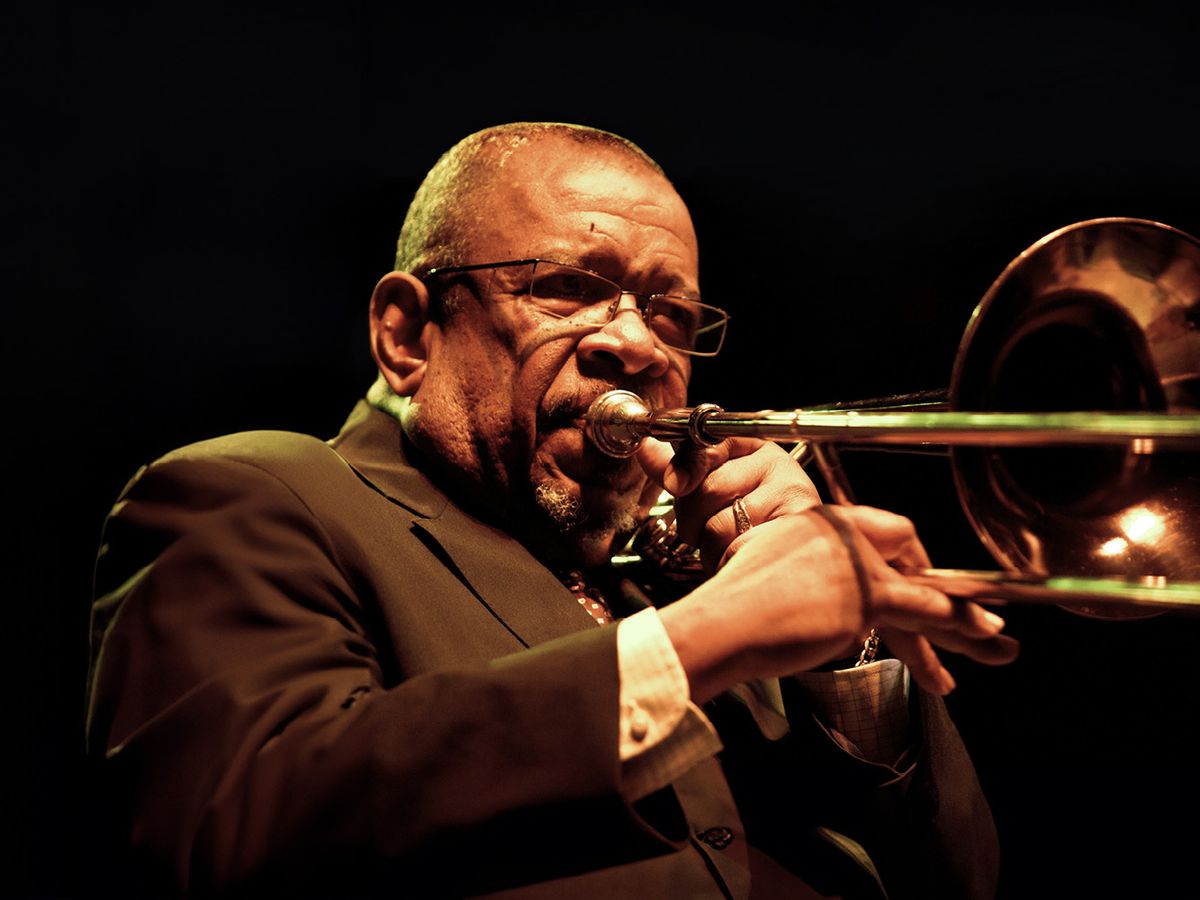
column 788, row 599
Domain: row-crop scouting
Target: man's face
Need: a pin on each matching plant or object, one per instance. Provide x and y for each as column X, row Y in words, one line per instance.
column 506, row 384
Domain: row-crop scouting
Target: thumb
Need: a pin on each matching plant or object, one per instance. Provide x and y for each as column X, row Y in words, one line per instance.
column 679, row 472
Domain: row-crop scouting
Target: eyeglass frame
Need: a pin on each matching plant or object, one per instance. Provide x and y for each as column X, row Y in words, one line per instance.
column 643, row 301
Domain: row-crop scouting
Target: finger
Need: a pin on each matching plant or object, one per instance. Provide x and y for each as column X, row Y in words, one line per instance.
column 767, row 463
column 712, row 537
column 654, row 456
column 898, row 602
column 786, row 485
column 681, row 470
column 892, row 599
column 904, row 604
column 893, row 536
column 736, row 544
column 922, row 660
column 769, row 483
column 973, row 620
column 994, row 651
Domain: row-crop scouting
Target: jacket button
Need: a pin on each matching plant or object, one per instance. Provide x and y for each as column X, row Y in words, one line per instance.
column 718, row 837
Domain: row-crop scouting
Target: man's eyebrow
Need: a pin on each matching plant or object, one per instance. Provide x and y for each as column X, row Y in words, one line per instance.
column 613, row 266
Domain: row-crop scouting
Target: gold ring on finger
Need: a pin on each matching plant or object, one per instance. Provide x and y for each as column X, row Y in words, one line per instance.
column 741, row 518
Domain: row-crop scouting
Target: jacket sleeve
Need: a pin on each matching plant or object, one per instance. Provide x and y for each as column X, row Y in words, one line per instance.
column 238, row 708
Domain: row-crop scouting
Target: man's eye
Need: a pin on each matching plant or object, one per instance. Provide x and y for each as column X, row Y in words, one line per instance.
column 676, row 322
column 569, row 286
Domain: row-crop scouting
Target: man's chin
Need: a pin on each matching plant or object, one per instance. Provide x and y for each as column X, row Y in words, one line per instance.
column 578, row 525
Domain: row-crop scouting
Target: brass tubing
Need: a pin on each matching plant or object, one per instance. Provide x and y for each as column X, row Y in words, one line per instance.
column 1149, row 593
column 618, row 420
column 969, row 429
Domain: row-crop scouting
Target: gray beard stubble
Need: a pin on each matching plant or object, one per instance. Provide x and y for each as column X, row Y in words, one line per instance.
column 564, row 511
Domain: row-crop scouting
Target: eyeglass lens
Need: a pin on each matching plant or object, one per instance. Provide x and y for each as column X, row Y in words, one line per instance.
column 678, row 322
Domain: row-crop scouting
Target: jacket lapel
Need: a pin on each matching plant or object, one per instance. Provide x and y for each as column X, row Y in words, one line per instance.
column 503, row 575
column 518, row 589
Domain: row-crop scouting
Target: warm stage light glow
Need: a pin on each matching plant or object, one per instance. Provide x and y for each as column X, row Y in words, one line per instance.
column 1142, row 526
column 1114, row 547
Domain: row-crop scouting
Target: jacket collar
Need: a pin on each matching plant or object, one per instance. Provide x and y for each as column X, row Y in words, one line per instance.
column 503, row 575
column 372, row 442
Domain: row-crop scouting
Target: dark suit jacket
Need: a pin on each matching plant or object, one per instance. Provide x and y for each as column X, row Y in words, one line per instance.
column 319, row 675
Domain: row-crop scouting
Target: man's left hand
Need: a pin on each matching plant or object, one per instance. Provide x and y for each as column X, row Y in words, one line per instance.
column 705, row 481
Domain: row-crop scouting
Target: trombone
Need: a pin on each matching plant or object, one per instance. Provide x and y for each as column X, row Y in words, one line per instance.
column 1073, row 420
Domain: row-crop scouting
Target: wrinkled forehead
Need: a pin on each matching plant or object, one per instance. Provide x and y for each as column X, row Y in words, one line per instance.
column 577, row 203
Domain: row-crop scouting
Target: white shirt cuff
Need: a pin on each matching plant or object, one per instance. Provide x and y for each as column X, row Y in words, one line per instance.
column 663, row 734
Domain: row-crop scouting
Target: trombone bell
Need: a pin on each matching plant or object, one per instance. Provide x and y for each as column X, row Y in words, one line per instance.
column 1074, row 422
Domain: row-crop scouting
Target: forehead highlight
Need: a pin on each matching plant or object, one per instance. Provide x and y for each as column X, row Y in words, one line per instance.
column 582, row 200
column 446, row 208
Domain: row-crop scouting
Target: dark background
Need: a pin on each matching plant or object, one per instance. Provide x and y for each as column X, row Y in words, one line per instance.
column 200, row 201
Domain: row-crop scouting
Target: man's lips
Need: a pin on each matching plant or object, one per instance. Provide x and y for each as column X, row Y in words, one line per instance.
column 567, row 412
column 571, row 411
column 572, row 454
column 561, row 426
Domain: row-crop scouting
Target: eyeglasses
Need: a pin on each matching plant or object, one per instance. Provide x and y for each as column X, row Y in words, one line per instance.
column 569, row 292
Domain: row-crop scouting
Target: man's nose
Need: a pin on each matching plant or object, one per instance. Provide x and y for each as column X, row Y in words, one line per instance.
column 626, row 343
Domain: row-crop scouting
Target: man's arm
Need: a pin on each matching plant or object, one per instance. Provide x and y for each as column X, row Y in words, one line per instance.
column 798, row 590
column 243, row 704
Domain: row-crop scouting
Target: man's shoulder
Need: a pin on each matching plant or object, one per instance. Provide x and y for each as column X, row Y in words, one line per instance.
column 265, row 448
column 281, row 458
column 285, row 467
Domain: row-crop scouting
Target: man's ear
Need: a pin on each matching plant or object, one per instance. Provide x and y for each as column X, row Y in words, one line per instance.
column 399, row 337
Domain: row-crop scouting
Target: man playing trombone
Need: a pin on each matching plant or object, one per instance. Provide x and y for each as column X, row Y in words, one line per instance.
column 387, row 663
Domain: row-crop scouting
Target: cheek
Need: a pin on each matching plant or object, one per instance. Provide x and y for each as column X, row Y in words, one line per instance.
column 468, row 386
column 546, row 358
column 673, row 387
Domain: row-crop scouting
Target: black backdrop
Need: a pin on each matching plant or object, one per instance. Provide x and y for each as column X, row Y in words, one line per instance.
column 201, row 199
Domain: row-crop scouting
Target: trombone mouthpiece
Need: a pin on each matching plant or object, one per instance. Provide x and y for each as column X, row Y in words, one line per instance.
column 616, row 422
